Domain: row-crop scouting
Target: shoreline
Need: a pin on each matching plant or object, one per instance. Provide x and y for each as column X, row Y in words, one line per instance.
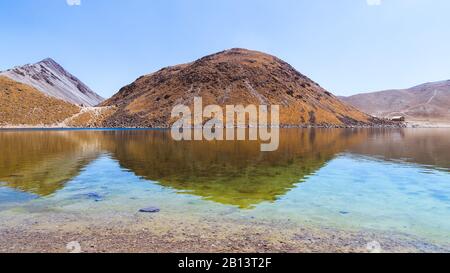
column 408, row 124
column 40, row 127
column 428, row 124
column 163, row 234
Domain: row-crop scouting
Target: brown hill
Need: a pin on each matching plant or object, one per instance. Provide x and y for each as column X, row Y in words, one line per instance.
column 23, row 104
column 231, row 77
column 426, row 101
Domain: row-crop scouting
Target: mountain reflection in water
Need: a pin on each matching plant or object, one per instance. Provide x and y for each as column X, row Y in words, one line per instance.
column 228, row 172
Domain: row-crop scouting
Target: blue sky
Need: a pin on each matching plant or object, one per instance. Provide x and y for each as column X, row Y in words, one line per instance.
column 348, row 46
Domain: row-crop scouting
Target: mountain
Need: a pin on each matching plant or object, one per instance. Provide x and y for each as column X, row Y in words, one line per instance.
column 21, row 104
column 429, row 101
column 50, row 78
column 231, row 77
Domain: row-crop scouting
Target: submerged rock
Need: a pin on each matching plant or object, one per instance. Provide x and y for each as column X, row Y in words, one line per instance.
column 93, row 195
column 150, row 210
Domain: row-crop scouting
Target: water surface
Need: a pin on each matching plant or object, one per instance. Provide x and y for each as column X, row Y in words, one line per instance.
column 382, row 180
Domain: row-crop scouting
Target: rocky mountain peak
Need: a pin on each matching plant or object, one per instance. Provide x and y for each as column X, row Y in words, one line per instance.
column 52, row 79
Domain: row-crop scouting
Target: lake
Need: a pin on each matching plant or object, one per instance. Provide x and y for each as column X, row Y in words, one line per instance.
column 322, row 190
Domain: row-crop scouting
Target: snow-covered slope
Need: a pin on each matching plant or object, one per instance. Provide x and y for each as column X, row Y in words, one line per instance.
column 50, row 78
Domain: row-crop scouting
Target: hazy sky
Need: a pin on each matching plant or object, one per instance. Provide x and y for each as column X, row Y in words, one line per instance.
column 348, row 46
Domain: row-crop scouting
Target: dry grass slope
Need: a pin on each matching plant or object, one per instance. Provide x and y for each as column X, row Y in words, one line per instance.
column 21, row 104
column 231, row 77
column 89, row 117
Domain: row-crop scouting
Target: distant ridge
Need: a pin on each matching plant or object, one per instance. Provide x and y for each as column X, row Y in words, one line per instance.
column 425, row 101
column 52, row 79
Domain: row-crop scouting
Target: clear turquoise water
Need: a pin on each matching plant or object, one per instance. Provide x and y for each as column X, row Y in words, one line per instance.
column 378, row 180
